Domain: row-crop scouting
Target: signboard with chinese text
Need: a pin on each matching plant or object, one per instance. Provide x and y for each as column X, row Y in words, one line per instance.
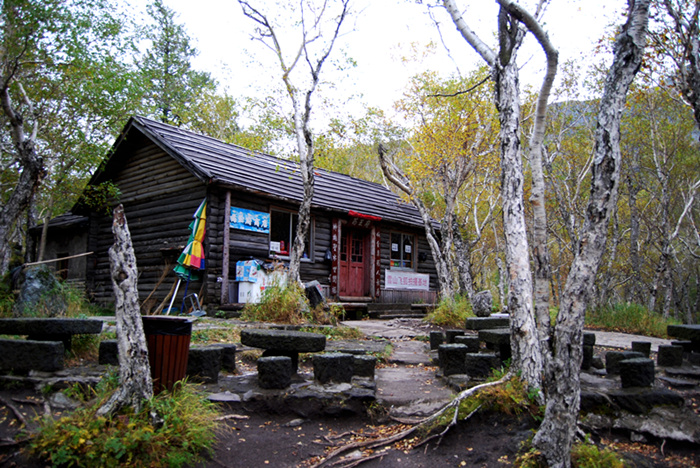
column 406, row 280
column 249, row 220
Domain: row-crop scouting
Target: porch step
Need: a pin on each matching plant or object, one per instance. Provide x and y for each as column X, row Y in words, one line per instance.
column 391, row 311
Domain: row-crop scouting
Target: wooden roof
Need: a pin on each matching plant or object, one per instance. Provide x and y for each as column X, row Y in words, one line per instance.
column 214, row 161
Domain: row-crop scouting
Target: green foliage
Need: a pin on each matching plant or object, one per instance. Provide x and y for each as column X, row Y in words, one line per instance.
column 172, row 86
column 512, row 398
column 629, row 318
column 73, row 301
column 584, row 454
column 82, row 439
column 101, row 197
column 279, row 303
column 451, row 312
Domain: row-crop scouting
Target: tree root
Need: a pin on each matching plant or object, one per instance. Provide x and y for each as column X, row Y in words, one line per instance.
column 384, row 441
column 15, row 411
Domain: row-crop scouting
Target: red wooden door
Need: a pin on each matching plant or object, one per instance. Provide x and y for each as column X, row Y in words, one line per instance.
column 354, row 263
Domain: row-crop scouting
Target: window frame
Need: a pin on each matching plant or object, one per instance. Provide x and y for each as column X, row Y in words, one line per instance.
column 308, row 246
column 414, row 241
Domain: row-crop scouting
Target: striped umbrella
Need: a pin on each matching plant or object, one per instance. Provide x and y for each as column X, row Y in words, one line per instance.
column 191, row 260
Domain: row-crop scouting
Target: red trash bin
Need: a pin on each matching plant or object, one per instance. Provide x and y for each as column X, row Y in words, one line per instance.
column 168, row 340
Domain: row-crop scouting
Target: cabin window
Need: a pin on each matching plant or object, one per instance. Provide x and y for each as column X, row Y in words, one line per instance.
column 403, row 250
column 283, row 231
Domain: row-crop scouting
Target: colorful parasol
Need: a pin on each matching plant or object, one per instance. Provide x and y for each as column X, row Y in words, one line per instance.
column 191, row 260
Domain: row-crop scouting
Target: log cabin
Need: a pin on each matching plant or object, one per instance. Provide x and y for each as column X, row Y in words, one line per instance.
column 365, row 246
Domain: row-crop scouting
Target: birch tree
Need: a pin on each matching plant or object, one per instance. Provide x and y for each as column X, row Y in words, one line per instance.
column 135, row 384
column 320, row 24
column 525, row 342
column 445, row 168
column 562, row 380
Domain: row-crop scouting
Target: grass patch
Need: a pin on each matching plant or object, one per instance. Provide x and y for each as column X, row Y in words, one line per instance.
column 629, row 318
column 510, row 398
column 340, row 332
column 584, row 454
column 186, row 433
column 221, row 333
column 451, row 312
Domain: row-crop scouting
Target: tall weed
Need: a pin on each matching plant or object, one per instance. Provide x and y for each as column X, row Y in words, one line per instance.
column 629, row 318
column 83, row 439
column 279, row 303
column 451, row 312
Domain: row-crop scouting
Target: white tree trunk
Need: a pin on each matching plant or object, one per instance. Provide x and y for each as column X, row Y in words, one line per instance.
column 135, row 381
column 556, row 434
column 525, row 344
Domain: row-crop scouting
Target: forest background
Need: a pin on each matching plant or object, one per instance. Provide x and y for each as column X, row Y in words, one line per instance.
column 73, row 72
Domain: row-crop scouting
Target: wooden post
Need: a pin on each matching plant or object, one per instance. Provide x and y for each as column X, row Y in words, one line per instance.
column 225, row 261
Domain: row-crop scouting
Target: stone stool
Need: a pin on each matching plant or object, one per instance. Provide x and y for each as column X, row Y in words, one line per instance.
column 333, row 367
column 204, row 364
column 452, row 358
column 274, row 372
column 451, row 334
column 363, row 365
column 471, row 342
column 481, row 364
column 436, row 339
column 670, row 356
column 643, row 347
column 613, row 358
column 638, row 372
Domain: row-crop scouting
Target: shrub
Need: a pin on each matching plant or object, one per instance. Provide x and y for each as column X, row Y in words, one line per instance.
column 451, row 312
column 82, row 439
column 584, row 454
column 279, row 303
column 629, row 318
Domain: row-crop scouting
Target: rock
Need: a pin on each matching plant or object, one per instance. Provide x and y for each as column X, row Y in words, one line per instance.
column 667, row 423
column 294, row 423
column 641, row 400
column 482, row 303
column 314, row 293
column 59, row 400
column 39, row 288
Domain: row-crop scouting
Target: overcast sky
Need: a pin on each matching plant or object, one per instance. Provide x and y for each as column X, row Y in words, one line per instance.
column 384, row 31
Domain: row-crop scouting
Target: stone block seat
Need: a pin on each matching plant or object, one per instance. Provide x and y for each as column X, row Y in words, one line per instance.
column 284, row 343
column 497, row 338
column 687, row 333
column 486, row 323
column 50, row 329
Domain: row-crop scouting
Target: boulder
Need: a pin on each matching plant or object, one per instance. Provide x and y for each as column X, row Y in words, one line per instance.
column 482, row 303
column 38, row 289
